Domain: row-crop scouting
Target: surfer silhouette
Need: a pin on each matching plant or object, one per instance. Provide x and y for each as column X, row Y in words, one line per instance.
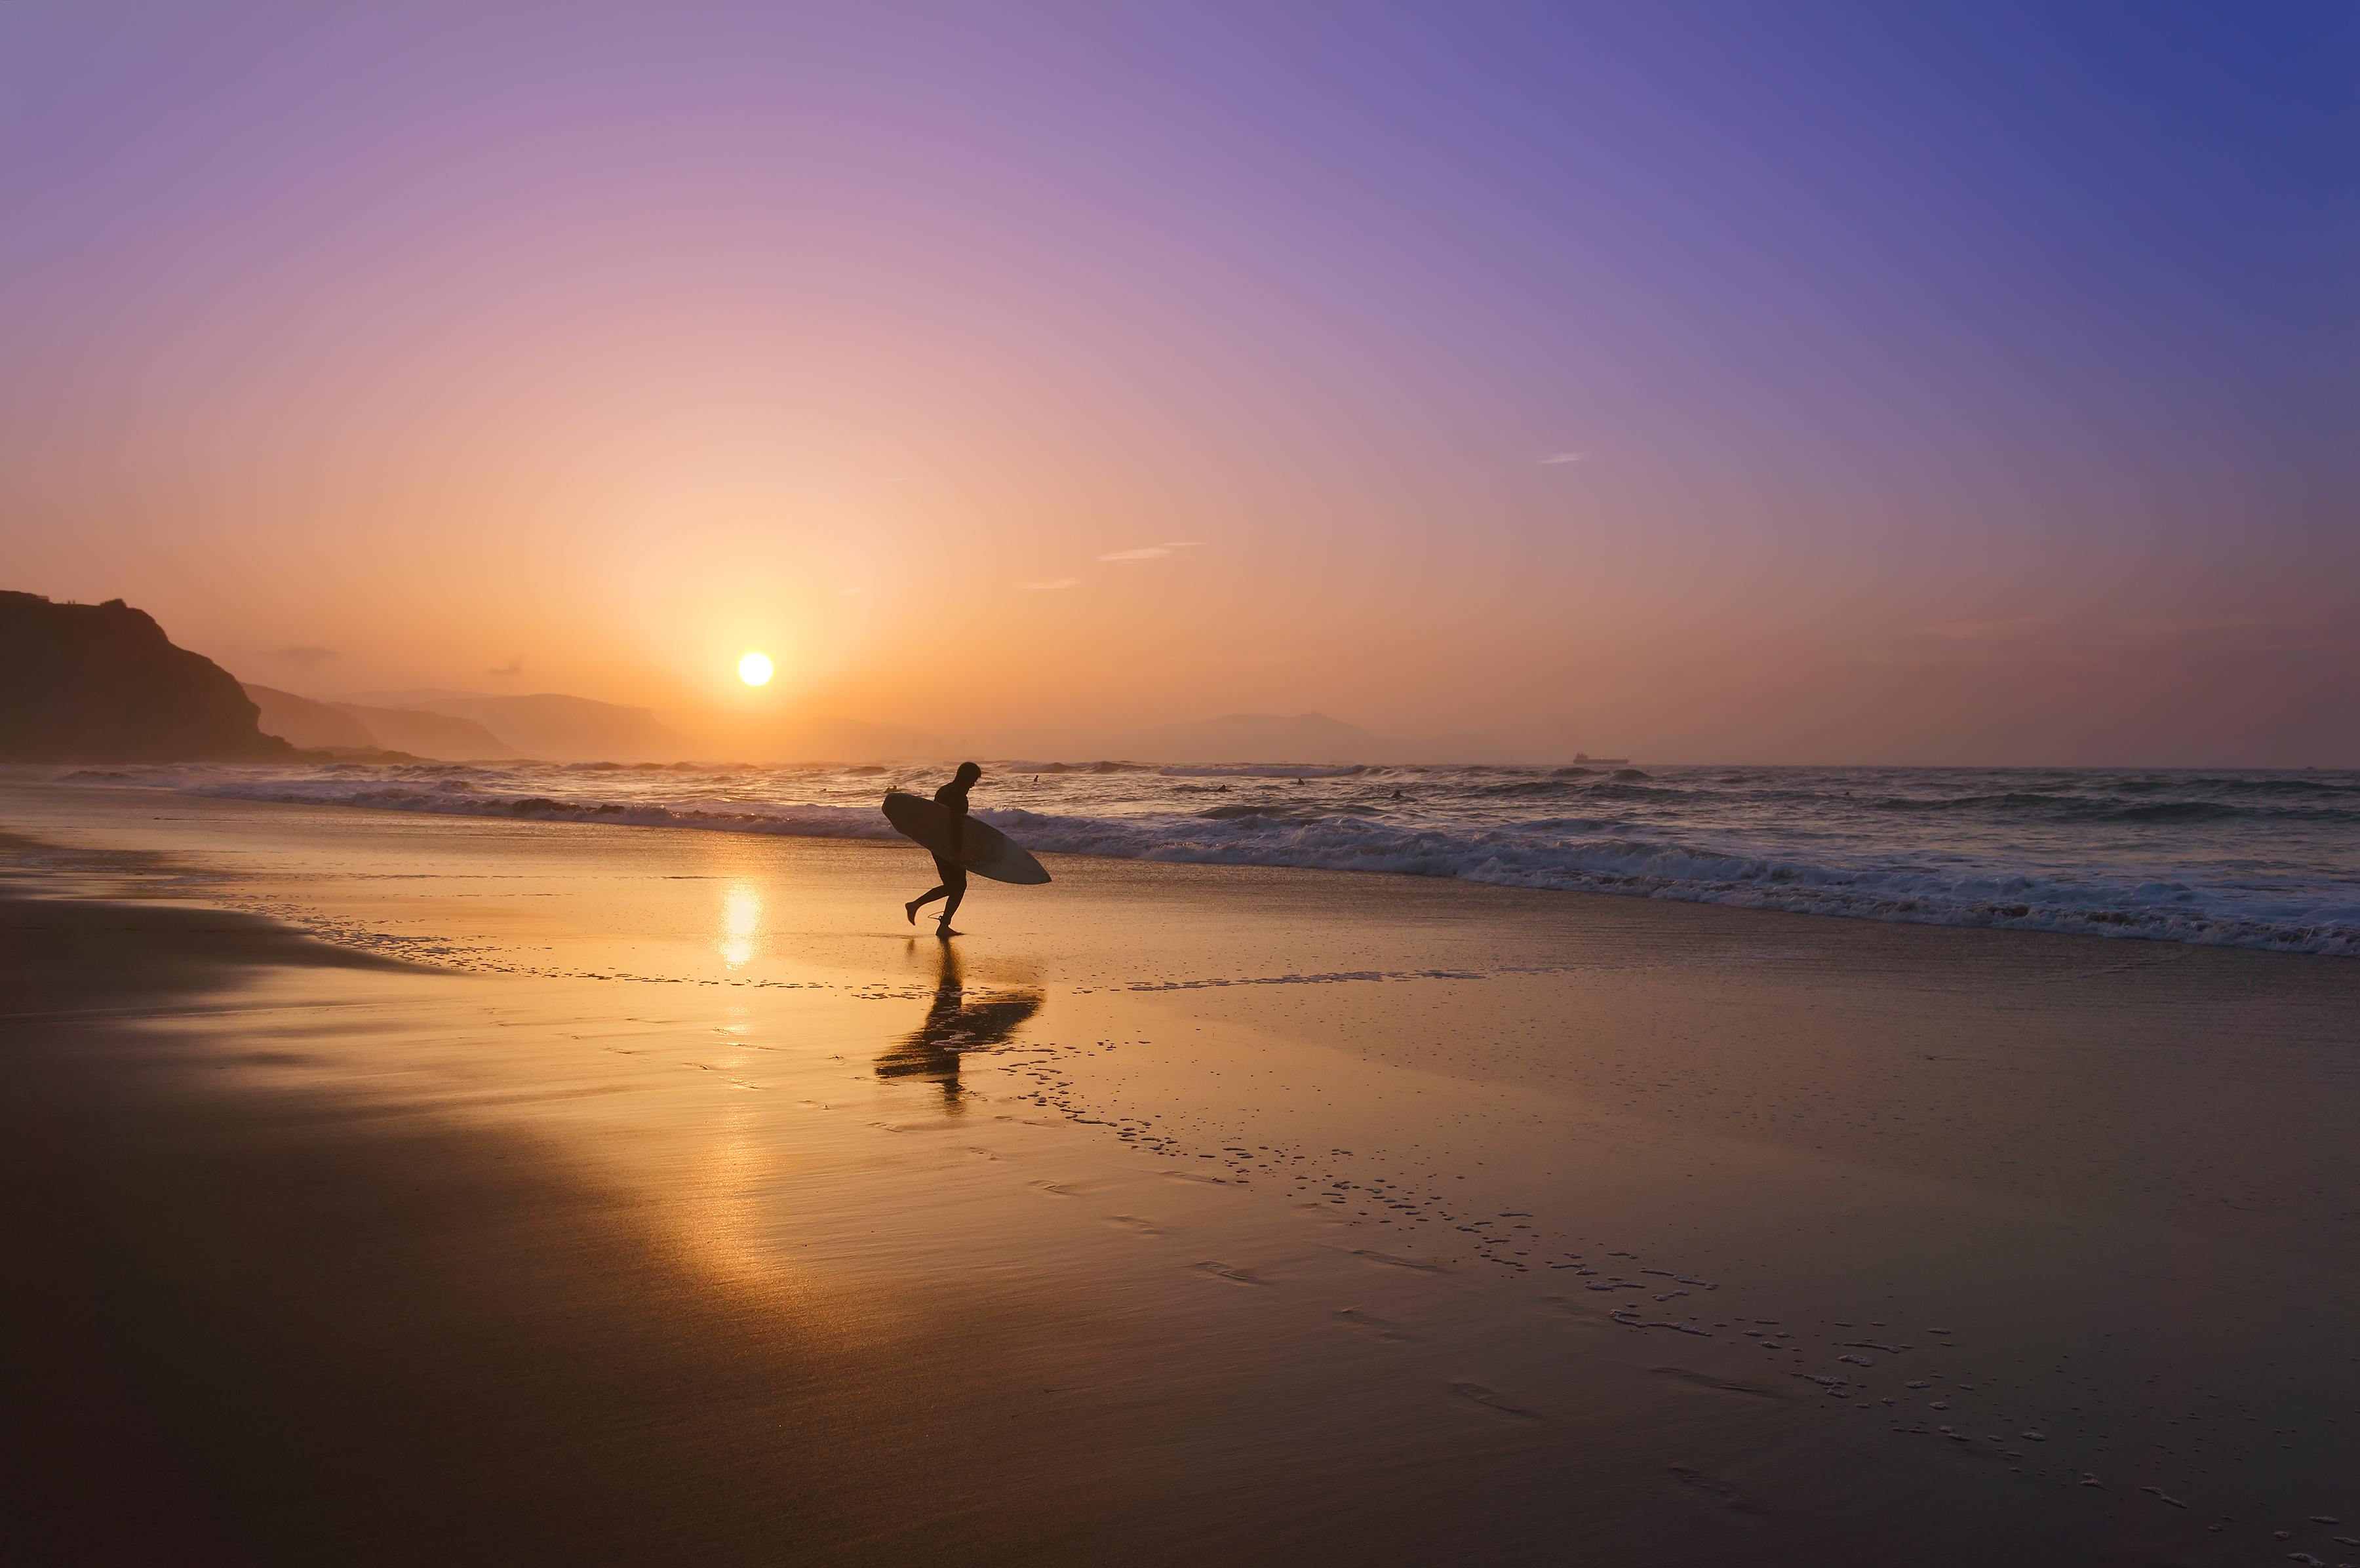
column 951, row 868
column 959, row 843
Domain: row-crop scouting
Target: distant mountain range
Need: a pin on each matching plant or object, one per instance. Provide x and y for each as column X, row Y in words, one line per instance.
column 102, row 682
column 471, row 726
column 552, row 725
column 466, row 725
column 314, row 723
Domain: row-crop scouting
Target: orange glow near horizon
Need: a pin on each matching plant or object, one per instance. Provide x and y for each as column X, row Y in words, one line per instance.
column 1025, row 433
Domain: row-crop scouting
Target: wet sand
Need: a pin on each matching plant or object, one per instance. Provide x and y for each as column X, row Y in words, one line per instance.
column 576, row 1194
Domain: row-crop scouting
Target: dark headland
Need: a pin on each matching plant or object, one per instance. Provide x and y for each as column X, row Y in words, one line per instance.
column 103, row 683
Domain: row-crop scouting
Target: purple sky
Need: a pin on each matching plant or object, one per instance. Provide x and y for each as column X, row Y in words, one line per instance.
column 1695, row 382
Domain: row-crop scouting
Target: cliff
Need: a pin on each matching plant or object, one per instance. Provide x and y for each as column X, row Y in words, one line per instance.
column 103, row 683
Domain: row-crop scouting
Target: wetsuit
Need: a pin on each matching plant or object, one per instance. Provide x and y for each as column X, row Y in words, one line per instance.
column 953, row 796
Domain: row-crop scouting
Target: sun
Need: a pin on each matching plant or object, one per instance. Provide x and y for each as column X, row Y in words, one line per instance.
column 755, row 670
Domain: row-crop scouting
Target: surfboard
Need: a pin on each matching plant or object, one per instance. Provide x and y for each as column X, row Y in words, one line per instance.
column 990, row 853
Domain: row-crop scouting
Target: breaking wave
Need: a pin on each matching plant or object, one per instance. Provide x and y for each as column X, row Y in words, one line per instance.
column 2261, row 861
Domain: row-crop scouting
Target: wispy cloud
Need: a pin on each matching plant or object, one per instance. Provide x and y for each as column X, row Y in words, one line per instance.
column 305, row 655
column 1184, row 544
column 1151, row 553
column 515, row 667
column 1060, row 583
column 2159, row 631
column 1982, row 631
column 1563, row 457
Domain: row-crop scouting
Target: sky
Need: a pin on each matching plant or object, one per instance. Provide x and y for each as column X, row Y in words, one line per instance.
column 1950, row 384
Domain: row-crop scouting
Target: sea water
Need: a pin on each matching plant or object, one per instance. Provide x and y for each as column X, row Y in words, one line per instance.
column 2235, row 857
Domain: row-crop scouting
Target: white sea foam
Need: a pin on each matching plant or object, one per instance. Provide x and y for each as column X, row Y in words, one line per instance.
column 2257, row 860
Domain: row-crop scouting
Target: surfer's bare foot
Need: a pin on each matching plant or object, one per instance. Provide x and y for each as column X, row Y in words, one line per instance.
column 911, row 910
column 943, row 928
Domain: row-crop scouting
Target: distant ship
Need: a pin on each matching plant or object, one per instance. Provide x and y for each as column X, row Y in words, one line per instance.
column 1602, row 761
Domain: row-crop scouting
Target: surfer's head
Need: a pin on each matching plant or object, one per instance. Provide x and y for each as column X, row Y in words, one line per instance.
column 969, row 773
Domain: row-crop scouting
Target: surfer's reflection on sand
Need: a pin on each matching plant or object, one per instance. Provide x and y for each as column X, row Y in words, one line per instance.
column 954, row 1025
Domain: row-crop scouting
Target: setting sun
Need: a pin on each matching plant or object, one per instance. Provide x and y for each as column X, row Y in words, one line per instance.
column 754, row 669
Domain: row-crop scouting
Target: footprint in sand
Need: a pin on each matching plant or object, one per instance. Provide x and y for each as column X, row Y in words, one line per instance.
column 1192, row 1176
column 1492, row 1400
column 1063, row 1188
column 1422, row 1265
column 1716, row 1385
column 1579, row 1312
column 1352, row 1317
column 970, row 1148
column 1142, row 1226
column 1230, row 1271
column 1712, row 1485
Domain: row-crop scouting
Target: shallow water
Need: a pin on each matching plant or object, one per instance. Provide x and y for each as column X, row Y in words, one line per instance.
column 2254, row 858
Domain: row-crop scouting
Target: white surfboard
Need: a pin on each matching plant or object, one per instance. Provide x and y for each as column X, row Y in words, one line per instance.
column 989, row 851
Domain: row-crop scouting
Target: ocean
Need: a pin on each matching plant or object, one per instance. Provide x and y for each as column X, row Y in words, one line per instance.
column 2232, row 857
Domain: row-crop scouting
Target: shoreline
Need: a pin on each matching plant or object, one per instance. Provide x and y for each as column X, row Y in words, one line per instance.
column 1821, row 873
column 1108, row 1144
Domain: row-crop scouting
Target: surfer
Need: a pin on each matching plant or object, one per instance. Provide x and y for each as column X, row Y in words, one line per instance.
column 951, row 868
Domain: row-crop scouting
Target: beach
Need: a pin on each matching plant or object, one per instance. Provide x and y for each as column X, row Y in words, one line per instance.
column 409, row 1187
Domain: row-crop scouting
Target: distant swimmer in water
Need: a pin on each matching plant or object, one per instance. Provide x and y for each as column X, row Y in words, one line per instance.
column 951, row 868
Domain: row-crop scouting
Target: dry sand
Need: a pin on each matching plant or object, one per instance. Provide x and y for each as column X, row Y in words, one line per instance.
column 617, row 1195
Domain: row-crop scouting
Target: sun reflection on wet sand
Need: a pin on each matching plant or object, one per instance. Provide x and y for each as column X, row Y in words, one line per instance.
column 741, row 922
column 728, row 1181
